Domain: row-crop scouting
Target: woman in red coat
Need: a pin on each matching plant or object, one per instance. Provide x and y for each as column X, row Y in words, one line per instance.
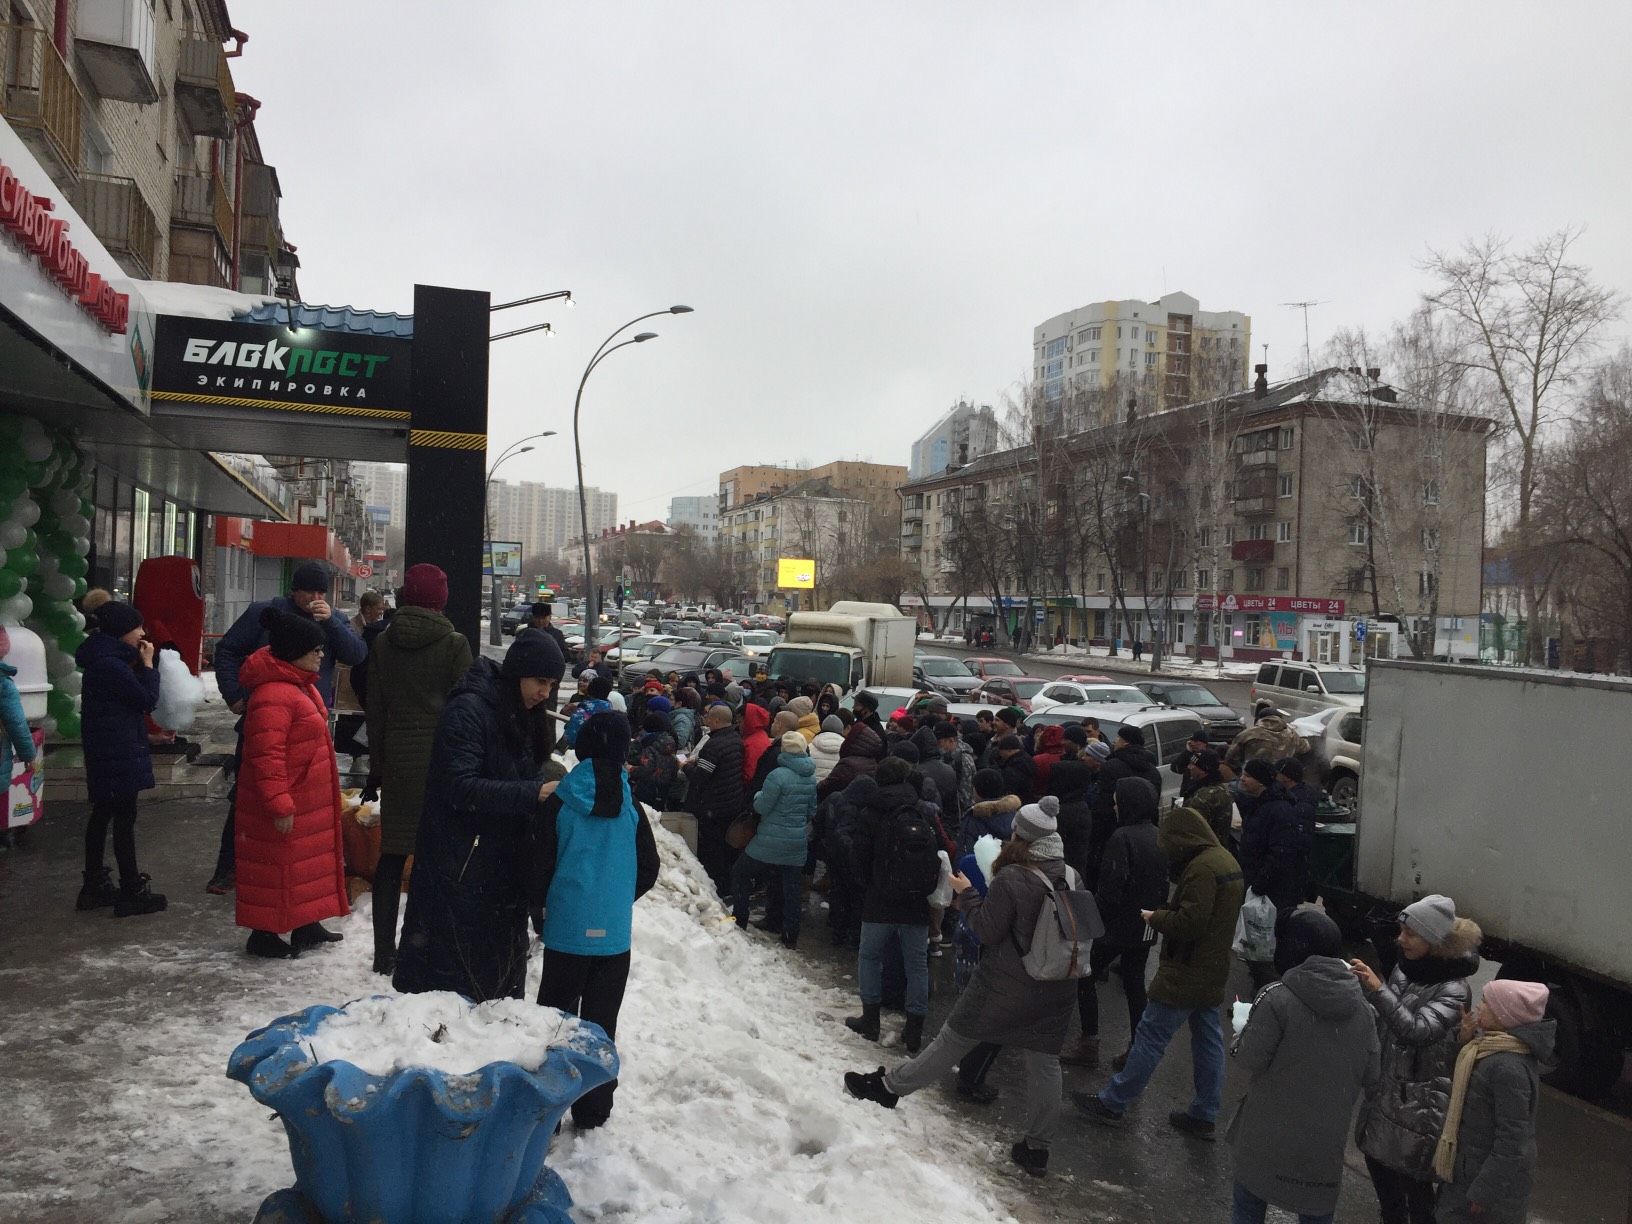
column 290, row 870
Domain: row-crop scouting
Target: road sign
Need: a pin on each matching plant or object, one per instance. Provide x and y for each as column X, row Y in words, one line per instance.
column 1359, row 630
column 362, row 570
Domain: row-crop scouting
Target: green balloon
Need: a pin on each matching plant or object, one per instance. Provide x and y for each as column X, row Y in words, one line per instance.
column 73, row 565
column 80, row 587
column 59, row 703
column 23, row 561
column 68, row 726
column 11, row 583
column 87, row 509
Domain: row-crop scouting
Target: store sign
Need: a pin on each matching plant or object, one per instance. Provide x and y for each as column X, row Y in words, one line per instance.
column 266, row 365
column 1271, row 603
column 32, row 222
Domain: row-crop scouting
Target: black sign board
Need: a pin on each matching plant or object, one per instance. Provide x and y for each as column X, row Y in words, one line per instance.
column 256, row 365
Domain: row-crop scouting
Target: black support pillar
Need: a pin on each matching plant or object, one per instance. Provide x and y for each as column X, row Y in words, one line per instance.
column 447, row 445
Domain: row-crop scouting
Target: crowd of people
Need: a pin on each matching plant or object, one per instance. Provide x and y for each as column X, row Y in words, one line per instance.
column 797, row 788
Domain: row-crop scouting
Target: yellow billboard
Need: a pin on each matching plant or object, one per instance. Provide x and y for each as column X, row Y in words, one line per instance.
column 795, row 572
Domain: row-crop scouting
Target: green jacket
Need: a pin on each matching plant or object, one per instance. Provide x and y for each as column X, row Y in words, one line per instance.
column 1215, row 805
column 1197, row 924
column 411, row 669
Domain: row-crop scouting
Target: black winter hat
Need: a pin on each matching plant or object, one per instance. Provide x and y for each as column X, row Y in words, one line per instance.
column 1077, row 735
column 907, row 751
column 989, row 784
column 535, row 655
column 603, row 737
column 892, row 770
column 1290, row 768
column 117, row 619
column 1206, row 760
column 1009, row 743
column 1129, row 734
column 310, row 576
column 1308, row 932
column 1259, row 770
column 1010, row 715
column 290, row 635
column 866, row 701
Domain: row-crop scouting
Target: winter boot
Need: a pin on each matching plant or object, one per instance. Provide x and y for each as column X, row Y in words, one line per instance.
column 221, row 883
column 912, row 1036
column 268, row 945
column 1033, row 1160
column 790, row 942
column 138, row 899
column 98, row 891
column 866, row 1024
column 1083, row 1053
column 1121, row 1060
column 385, row 955
column 1189, row 1124
column 312, row 934
column 870, row 1087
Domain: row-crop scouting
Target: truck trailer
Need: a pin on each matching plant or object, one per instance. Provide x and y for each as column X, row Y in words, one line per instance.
column 851, row 645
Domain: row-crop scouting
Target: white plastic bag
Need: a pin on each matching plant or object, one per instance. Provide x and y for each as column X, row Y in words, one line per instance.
column 942, row 896
column 180, row 693
column 1255, row 928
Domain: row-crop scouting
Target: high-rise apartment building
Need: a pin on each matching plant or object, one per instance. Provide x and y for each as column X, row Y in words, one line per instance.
column 700, row 514
column 964, row 433
column 385, row 485
column 545, row 519
column 1165, row 353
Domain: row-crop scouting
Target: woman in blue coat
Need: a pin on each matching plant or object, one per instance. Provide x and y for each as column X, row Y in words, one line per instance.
column 119, row 690
column 786, row 805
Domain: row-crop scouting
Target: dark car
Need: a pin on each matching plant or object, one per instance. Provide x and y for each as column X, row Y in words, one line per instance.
column 1223, row 723
column 515, row 618
column 944, row 674
column 691, row 657
column 1011, row 690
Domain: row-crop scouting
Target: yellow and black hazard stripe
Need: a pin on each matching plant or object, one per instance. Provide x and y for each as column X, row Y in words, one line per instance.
column 245, row 401
column 447, row 439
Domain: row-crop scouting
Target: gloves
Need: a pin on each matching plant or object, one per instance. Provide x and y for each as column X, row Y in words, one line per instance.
column 371, row 792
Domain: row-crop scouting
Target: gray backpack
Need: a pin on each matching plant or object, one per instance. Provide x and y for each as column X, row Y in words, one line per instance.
column 1067, row 925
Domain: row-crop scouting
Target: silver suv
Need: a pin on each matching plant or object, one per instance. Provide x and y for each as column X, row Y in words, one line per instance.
column 1307, row 688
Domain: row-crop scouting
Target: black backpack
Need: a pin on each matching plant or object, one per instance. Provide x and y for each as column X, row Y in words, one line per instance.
column 912, row 862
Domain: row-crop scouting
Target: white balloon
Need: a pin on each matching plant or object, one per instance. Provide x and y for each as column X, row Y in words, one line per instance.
column 12, row 534
column 59, row 665
column 37, row 449
column 82, row 546
column 25, row 512
column 79, row 618
column 75, row 524
column 63, row 501
column 17, row 609
column 29, row 427
column 71, row 683
column 48, row 725
column 59, row 587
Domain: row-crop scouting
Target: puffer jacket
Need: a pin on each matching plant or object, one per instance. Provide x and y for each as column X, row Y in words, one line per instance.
column 1133, row 874
column 1197, row 924
column 1271, row 739
column 116, row 696
column 989, row 817
column 1496, row 1147
column 755, row 738
column 786, row 807
column 824, row 753
column 15, row 735
column 1418, row 1011
column 1129, row 762
column 717, row 790
column 860, row 755
column 1275, row 851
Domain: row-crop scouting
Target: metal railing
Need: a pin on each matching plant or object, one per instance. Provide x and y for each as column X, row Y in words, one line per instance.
column 118, row 214
column 201, row 199
column 40, row 95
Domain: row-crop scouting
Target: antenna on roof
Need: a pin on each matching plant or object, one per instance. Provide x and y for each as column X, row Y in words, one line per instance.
column 1308, row 357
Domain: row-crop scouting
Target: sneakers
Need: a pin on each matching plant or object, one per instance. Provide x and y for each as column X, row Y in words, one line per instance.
column 870, row 1087
column 866, row 1024
column 1084, row 1053
column 221, row 883
column 912, row 1036
column 97, row 892
column 268, row 945
column 1033, row 1160
column 140, row 899
column 312, row 934
column 1187, row 1123
column 978, row 1094
column 1096, row 1110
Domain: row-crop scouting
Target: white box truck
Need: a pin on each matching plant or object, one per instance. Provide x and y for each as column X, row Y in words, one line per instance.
column 1503, row 789
column 851, row 645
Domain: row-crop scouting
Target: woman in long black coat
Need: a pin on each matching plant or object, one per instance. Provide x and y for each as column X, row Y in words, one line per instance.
column 466, row 925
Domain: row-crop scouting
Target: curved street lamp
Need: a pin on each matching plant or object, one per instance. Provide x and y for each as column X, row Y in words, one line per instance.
column 494, row 635
column 592, row 608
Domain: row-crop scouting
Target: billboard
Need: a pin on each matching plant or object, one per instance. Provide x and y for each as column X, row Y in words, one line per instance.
column 501, row 559
column 796, row 572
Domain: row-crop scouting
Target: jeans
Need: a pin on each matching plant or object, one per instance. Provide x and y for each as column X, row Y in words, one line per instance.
column 1157, row 1027
column 875, row 936
column 1401, row 1198
column 1130, row 963
column 1043, row 1081
column 748, row 872
column 120, row 812
column 591, row 988
column 1248, row 1208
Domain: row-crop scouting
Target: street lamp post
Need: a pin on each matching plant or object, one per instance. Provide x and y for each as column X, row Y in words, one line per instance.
column 592, row 608
column 1144, row 574
column 494, row 633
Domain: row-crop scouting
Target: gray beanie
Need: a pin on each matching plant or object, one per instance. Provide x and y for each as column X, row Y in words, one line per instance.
column 1037, row 819
column 1099, row 749
column 834, row 724
column 1432, row 917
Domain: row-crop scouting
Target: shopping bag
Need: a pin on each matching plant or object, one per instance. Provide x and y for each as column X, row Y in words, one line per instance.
column 942, row 896
column 1255, row 928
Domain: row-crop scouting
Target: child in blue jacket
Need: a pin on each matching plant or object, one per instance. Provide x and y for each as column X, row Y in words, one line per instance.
column 15, row 736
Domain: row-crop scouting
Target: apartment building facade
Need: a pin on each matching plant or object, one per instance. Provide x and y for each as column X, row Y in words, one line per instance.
column 546, row 520
column 966, row 432
column 813, row 520
column 699, row 515
column 874, row 483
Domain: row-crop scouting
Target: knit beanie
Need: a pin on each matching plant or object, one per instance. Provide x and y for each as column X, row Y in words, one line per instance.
column 425, row 586
column 1260, row 770
column 907, row 751
column 1290, row 768
column 1308, row 932
column 802, row 706
column 833, row 723
column 310, row 576
column 1037, row 819
column 989, row 784
column 793, row 744
column 659, row 704
column 1099, row 750
column 1432, row 917
column 117, row 619
column 1078, row 735
column 1515, row 1003
column 1010, row 715
column 289, row 635
column 1130, row 734
column 535, row 655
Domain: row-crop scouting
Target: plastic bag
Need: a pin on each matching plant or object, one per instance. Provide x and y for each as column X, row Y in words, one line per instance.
column 942, row 896
column 180, row 693
column 1255, row 928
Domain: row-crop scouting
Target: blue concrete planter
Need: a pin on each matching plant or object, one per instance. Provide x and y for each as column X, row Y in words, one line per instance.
column 416, row 1146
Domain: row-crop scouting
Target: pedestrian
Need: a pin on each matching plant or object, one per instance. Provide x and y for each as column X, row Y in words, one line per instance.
column 809, row 725
column 895, row 858
column 655, row 770
column 308, row 597
column 1210, row 795
column 1132, row 880
column 1487, row 1152
column 1419, row 1010
column 1003, row 1005
column 1017, row 766
column 466, row 925
column 683, row 719
column 992, row 814
column 1127, row 758
column 716, row 793
column 1196, row 926
column 859, row 754
column 16, row 739
column 978, row 734
column 412, row 668
column 786, row 807
column 1271, row 738
column 865, row 707
column 839, row 816
column 1050, row 747
column 940, row 765
column 825, row 748
column 119, row 689
column 591, row 856
column 1138, row 648
column 541, row 619
column 1308, row 1049
column 1072, row 781
column 1305, row 801
column 756, row 739
column 827, row 703
column 289, row 852
column 1181, row 762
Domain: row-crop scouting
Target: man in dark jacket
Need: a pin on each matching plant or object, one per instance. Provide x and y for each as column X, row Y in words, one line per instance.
column 1305, row 798
column 540, row 621
column 1128, row 759
column 1274, row 856
column 940, row 766
column 717, row 796
column 1180, row 765
column 859, row 754
column 1197, row 926
column 308, row 597
column 1210, row 795
column 865, row 707
column 1017, row 767
column 844, row 812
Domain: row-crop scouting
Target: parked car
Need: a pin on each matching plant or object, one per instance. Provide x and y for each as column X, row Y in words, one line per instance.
column 1011, row 690
column 755, row 642
column 1166, row 731
column 1306, row 688
column 695, row 657
column 1073, row 693
column 513, row 618
column 890, row 699
column 1081, row 679
column 1223, row 723
column 719, row 636
column 632, row 646
column 689, row 631
column 944, row 674
column 1334, row 737
column 986, row 668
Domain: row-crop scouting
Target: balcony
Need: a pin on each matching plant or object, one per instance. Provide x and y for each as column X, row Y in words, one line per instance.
column 116, row 212
column 1254, row 506
column 204, row 91
column 201, row 201
column 115, row 43
column 1255, row 551
column 1259, row 459
column 40, row 98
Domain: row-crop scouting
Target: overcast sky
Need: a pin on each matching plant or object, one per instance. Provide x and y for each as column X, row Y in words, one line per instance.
column 871, row 205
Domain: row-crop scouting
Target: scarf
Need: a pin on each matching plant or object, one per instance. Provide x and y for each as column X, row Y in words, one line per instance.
column 1049, row 846
column 1471, row 1053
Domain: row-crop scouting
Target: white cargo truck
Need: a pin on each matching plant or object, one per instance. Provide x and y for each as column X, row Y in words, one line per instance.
column 851, row 645
column 1503, row 789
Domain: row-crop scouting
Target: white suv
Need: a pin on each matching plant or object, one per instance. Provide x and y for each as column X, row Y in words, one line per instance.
column 1307, row 688
column 1166, row 731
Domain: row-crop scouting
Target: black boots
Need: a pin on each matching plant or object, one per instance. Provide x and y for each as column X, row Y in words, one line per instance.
column 912, row 1036
column 312, row 934
column 137, row 899
column 221, row 883
column 866, row 1024
column 98, row 891
column 267, row 944
column 1033, row 1160
column 870, row 1087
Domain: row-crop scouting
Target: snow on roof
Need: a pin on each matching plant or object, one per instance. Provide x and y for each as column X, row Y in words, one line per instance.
column 198, row 301
column 1338, row 387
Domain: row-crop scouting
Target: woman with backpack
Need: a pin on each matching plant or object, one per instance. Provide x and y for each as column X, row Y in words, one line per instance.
column 1004, row 1004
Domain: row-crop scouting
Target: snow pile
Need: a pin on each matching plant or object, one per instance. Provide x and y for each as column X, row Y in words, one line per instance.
column 682, row 883
column 440, row 1031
